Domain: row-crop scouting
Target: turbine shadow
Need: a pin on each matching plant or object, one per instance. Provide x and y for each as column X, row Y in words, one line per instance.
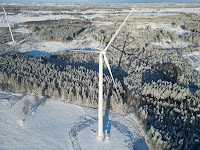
column 106, row 122
column 120, row 58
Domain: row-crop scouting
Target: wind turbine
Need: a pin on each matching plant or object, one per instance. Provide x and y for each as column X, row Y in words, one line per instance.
column 183, row 6
column 6, row 16
column 102, row 55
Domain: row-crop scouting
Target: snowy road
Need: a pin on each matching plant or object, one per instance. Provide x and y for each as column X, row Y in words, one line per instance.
column 32, row 122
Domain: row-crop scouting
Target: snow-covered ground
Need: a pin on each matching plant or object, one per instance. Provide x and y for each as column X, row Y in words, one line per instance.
column 25, row 18
column 179, row 10
column 167, row 43
column 168, row 27
column 96, row 13
column 194, row 59
column 34, row 122
column 36, row 47
column 147, row 10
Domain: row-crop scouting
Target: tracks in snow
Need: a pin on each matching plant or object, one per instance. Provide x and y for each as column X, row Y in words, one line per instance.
column 30, row 107
column 87, row 121
column 7, row 100
column 83, row 123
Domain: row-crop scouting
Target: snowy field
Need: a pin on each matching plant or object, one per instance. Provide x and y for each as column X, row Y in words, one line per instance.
column 167, row 43
column 16, row 18
column 25, row 18
column 36, row 47
column 33, row 122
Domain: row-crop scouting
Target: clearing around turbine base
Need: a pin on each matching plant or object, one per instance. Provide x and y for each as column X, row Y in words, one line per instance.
column 58, row 125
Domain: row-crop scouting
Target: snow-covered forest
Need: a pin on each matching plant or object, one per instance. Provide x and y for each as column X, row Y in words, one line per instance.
column 153, row 78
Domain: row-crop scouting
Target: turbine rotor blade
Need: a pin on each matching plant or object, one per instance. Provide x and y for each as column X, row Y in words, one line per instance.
column 99, row 49
column 108, row 66
column 3, row 9
column 10, row 29
column 6, row 16
column 112, row 39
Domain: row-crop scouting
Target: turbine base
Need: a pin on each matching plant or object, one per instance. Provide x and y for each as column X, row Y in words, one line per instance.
column 100, row 138
column 11, row 43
